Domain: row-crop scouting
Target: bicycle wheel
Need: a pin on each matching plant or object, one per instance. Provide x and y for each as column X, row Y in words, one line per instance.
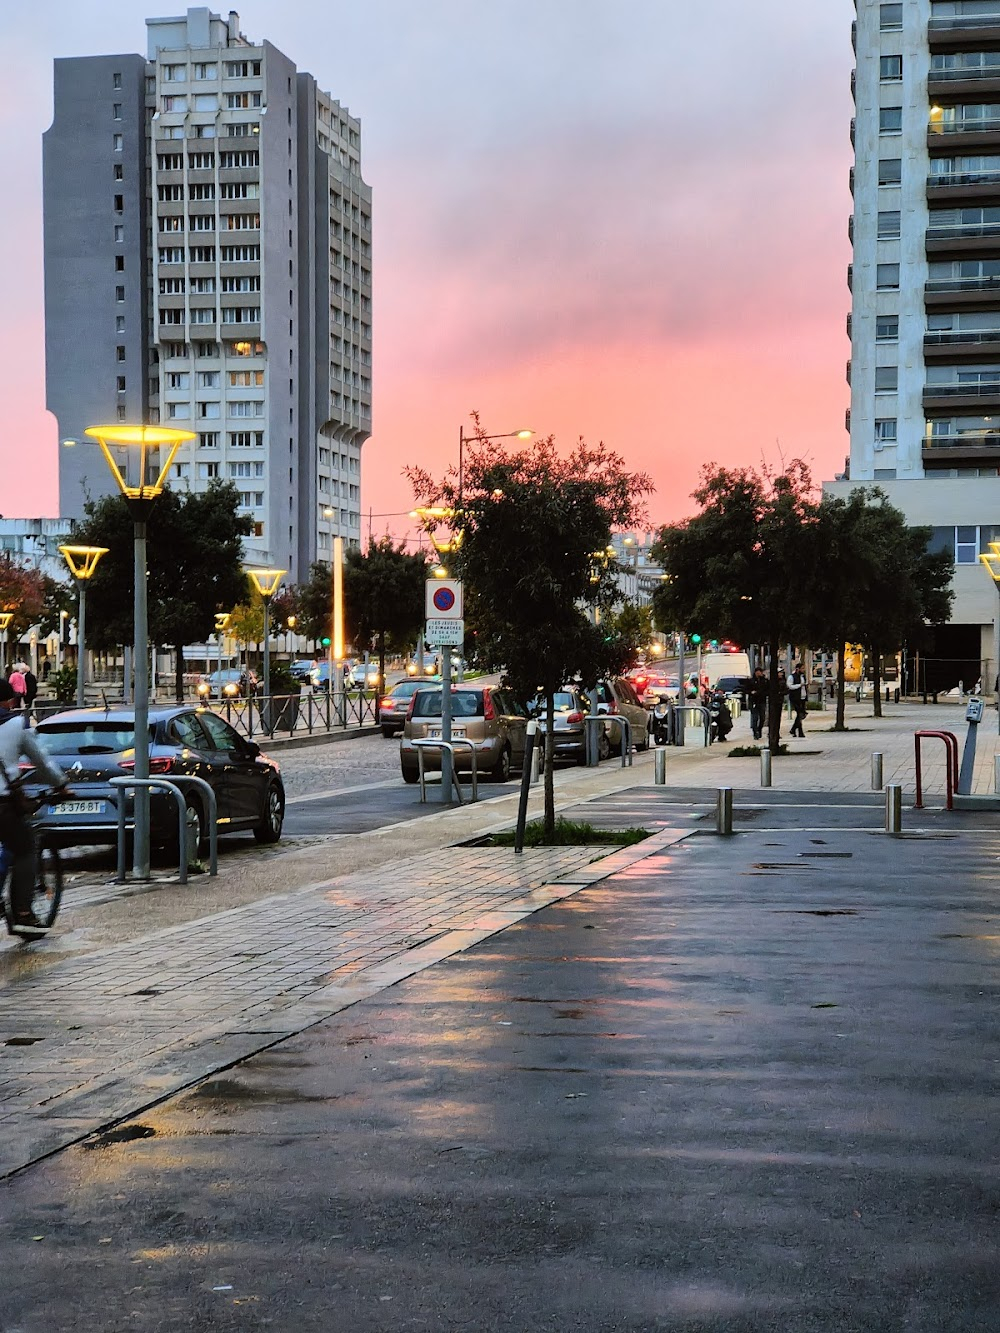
column 48, row 885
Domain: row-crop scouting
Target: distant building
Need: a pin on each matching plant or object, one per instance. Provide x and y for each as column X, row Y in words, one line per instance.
column 207, row 238
column 36, row 541
column 924, row 326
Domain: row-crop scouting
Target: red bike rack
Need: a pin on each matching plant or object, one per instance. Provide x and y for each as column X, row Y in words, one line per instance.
column 951, row 765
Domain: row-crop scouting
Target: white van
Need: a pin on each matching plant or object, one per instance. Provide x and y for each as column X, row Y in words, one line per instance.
column 714, row 665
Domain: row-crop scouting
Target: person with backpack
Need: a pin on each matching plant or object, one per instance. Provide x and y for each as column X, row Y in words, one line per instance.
column 797, row 697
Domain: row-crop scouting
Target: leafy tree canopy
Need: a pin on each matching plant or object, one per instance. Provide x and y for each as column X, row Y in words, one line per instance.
column 22, row 592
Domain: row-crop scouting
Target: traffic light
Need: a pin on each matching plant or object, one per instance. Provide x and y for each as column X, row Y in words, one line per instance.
column 325, row 643
column 696, row 638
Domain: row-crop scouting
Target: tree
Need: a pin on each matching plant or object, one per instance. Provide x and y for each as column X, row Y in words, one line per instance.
column 744, row 567
column 22, row 592
column 881, row 584
column 194, row 561
column 315, row 598
column 383, row 597
column 530, row 536
column 56, row 598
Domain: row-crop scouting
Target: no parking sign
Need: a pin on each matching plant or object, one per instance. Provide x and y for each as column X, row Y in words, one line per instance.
column 443, row 600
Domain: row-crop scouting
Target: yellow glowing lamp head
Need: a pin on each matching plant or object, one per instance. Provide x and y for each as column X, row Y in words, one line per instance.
column 266, row 580
column 82, row 560
column 222, row 619
column 164, row 441
column 524, row 434
column 5, row 618
column 991, row 560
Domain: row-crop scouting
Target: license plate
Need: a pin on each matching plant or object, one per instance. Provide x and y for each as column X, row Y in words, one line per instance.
column 457, row 734
column 78, row 808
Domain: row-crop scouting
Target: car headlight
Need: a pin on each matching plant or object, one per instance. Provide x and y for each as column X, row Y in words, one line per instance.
column 230, row 689
column 204, row 688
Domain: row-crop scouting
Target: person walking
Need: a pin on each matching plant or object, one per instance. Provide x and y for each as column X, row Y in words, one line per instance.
column 15, row 679
column 797, row 695
column 757, row 699
column 30, row 691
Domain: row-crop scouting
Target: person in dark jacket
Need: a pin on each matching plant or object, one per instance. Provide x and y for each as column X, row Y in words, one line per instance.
column 757, row 699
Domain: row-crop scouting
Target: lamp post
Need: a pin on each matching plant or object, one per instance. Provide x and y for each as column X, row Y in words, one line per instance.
column 266, row 582
column 140, row 495
column 82, row 561
column 464, row 439
column 5, row 618
column 222, row 619
column 991, row 560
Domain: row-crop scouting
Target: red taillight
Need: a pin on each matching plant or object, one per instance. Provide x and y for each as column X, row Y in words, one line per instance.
column 575, row 717
column 158, row 763
column 409, row 709
column 640, row 683
column 489, row 712
column 387, row 703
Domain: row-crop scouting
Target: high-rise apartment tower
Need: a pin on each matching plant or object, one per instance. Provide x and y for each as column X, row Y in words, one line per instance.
column 208, row 265
column 925, row 288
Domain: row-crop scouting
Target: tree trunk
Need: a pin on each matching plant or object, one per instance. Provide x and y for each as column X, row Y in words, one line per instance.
column 550, row 791
column 774, row 701
column 877, row 678
column 179, row 672
column 840, row 724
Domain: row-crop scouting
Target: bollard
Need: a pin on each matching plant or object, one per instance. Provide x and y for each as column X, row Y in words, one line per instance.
column 996, row 774
column 660, row 766
column 724, row 812
column 893, row 808
column 536, row 759
column 876, row 772
column 765, row 768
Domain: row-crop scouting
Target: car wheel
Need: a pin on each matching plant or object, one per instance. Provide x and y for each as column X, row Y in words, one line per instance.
column 501, row 769
column 269, row 828
column 410, row 775
column 603, row 745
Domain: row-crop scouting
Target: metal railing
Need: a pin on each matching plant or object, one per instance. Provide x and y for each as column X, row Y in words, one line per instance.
column 421, row 746
column 974, row 389
column 303, row 714
column 950, row 178
column 946, row 337
column 961, row 442
column 961, row 73
column 957, row 231
column 174, row 786
column 968, row 126
column 961, row 285
column 990, row 20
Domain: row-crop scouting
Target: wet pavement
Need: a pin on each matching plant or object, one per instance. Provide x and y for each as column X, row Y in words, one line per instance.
column 737, row 1085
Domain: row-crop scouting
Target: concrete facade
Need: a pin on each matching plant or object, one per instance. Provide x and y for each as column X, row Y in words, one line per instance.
column 244, row 304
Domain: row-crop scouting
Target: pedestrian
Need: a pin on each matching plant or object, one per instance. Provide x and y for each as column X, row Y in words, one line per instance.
column 30, row 691
column 757, row 698
column 15, row 679
column 797, row 695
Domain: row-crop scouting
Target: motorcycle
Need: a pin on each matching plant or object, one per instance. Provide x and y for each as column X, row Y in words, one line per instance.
column 720, row 717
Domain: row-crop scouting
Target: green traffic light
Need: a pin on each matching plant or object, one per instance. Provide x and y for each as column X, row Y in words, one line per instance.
column 325, row 643
column 696, row 638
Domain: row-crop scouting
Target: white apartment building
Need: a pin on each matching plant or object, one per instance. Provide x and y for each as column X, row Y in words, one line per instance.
column 924, row 325
column 208, row 266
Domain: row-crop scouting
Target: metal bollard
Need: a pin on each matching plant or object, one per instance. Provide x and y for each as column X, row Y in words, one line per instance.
column 724, row 812
column 660, row 766
column 893, row 808
column 536, row 759
column 876, row 771
column 765, row 768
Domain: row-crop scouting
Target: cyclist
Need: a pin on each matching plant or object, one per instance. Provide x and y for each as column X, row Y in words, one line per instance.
column 16, row 832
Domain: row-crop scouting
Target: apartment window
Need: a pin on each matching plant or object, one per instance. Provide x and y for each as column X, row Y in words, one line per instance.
column 245, row 349
column 203, row 316
column 888, row 225
column 201, row 162
column 239, row 190
column 208, row 439
column 202, row 254
column 178, row 379
column 247, row 409
column 121, row 411
column 116, row 111
column 119, row 353
column 204, row 349
column 119, row 142
column 202, row 222
column 966, row 545
column 171, row 224
column 167, row 193
column 242, row 129
column 120, row 294
column 172, row 104
column 246, row 379
column 245, row 471
column 240, row 222
column 890, row 171
column 885, row 430
column 201, row 192
column 203, row 286
column 209, row 411
column 170, row 161
column 170, row 132
column 241, row 314
column 116, row 80
column 247, row 284
column 890, row 17
column 174, row 349
column 886, row 328
column 242, row 69
column 890, row 120
column 199, row 132
column 208, row 471
column 206, row 71
column 171, row 316
column 242, row 101
column 207, row 379
column 246, row 439
column 887, row 277
column 119, row 263
column 119, row 233
column 171, row 286
column 174, row 73
column 119, row 323
column 246, row 157
column 178, row 411
column 886, row 379
column 206, row 102
column 240, row 254
column 121, row 383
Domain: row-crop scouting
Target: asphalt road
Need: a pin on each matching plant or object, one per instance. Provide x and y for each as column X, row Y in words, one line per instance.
column 747, row 1086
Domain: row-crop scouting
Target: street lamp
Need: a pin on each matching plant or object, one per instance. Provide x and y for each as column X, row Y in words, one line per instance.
column 82, row 561
column 266, row 582
column 5, row 618
column 464, row 439
column 991, row 559
column 222, row 619
column 142, row 442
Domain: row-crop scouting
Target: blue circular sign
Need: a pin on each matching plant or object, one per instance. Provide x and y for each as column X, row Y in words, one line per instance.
column 443, row 599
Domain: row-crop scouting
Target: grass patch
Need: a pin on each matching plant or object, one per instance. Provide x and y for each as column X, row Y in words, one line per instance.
column 569, row 833
column 751, row 751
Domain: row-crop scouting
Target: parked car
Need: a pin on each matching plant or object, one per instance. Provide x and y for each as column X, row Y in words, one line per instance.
column 303, row 668
column 569, row 729
column 488, row 716
column 93, row 745
column 361, row 677
column 617, row 698
column 733, row 687
column 229, row 683
column 393, row 705
column 431, row 667
column 657, row 687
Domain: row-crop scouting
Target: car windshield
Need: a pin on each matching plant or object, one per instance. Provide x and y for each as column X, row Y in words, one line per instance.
column 75, row 738
column 464, row 703
column 405, row 688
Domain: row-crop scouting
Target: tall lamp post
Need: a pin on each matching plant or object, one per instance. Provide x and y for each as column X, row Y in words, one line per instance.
column 82, row 561
column 991, row 559
column 464, row 439
column 222, row 619
column 140, row 484
column 266, row 582
column 5, row 618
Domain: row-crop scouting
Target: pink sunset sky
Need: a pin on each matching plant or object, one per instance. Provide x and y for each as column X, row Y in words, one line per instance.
column 626, row 222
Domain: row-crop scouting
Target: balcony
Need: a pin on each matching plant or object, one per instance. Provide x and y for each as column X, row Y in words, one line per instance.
column 962, row 344
column 947, row 85
column 942, row 451
column 965, row 32
column 978, row 396
column 980, row 132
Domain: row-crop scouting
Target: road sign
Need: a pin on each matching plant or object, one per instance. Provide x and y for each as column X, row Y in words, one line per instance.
column 444, row 600
column 444, row 633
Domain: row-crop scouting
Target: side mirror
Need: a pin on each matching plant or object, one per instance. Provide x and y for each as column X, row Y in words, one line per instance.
column 251, row 749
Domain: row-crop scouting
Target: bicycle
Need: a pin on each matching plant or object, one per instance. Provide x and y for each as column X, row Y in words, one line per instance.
column 49, row 879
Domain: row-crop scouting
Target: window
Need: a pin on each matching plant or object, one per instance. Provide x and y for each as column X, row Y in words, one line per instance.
column 242, row 101
column 245, row 349
column 171, row 224
column 206, row 102
column 886, row 328
column 119, row 143
column 198, row 132
column 240, row 222
column 119, row 263
column 121, row 384
column 885, row 430
column 239, row 190
column 119, row 323
column 208, row 439
column 886, row 379
column 119, row 233
column 116, row 111
column 119, row 294
column 202, row 254
column 166, row 193
column 241, row 314
column 247, row 409
column 890, row 171
column 887, row 277
column 246, row 157
column 240, row 254
column 202, row 192
column 208, row 471
column 178, row 379
column 246, row 439
column 116, row 80
column 171, row 316
column 890, row 120
column 251, row 499
column 966, row 545
column 242, row 69
column 206, row 71
column 888, row 225
column 203, row 316
column 178, row 411
column 204, row 349
column 209, row 411
column 207, row 379
column 245, row 470
column 170, row 161
column 119, row 172
column 171, row 286
column 204, row 222
column 248, row 284
column 174, row 73
column 201, row 161
column 121, row 412
column 171, row 104
column 174, row 349
column 119, row 353
column 171, row 132
column 246, row 379
column 203, row 286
